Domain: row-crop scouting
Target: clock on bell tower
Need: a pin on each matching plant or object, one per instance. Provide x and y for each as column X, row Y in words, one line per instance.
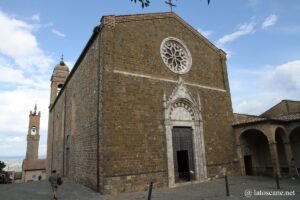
column 33, row 136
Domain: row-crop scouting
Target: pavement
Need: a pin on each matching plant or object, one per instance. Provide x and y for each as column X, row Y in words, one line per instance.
column 251, row 188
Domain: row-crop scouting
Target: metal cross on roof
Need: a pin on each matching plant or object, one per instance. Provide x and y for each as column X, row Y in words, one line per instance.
column 170, row 3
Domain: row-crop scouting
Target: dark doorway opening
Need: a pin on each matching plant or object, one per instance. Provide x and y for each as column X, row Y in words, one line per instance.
column 248, row 165
column 183, row 165
column 183, row 154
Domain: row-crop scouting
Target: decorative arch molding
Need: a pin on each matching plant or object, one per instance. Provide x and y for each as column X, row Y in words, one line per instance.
column 182, row 110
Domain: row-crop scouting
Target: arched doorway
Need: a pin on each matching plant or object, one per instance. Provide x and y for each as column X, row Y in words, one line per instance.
column 295, row 145
column 184, row 137
column 256, row 153
column 280, row 139
column 183, row 153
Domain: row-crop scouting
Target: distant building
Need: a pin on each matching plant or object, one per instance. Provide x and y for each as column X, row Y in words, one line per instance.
column 32, row 167
column 267, row 143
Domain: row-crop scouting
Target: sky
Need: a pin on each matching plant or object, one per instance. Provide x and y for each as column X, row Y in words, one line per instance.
column 261, row 39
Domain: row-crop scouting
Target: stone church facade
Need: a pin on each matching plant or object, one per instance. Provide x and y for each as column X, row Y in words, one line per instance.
column 148, row 100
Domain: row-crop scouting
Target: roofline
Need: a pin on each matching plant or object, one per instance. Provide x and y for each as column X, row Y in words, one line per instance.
column 246, row 114
column 161, row 15
column 257, row 122
column 96, row 30
column 264, row 120
column 282, row 101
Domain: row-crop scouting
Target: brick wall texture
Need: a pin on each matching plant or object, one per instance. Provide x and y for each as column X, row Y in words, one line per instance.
column 110, row 111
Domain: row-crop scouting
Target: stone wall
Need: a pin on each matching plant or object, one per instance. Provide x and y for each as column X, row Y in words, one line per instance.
column 74, row 114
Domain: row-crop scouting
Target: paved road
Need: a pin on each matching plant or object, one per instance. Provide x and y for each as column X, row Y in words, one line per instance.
column 212, row 190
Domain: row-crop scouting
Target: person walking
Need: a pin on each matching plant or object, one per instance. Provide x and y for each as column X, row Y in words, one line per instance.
column 53, row 181
column 294, row 169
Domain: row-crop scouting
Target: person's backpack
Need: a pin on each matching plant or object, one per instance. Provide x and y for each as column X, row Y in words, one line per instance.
column 59, row 181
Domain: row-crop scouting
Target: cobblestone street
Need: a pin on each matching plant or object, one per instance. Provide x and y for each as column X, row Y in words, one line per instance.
column 214, row 190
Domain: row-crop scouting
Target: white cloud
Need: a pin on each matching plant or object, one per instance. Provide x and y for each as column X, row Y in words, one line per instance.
column 254, row 92
column 19, row 44
column 249, row 107
column 269, row 21
column 244, row 29
column 14, row 116
column 24, row 80
column 35, row 17
column 15, row 77
column 15, row 139
column 11, row 75
column 58, row 33
column 15, row 106
column 205, row 33
column 286, row 76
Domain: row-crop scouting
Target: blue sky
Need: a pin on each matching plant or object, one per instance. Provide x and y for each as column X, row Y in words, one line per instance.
column 261, row 38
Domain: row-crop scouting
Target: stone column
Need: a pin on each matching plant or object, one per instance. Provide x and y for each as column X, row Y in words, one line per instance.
column 288, row 155
column 274, row 157
column 241, row 160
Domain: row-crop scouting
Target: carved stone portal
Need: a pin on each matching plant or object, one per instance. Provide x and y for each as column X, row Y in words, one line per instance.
column 182, row 110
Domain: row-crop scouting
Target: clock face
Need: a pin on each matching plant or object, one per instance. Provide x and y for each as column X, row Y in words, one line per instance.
column 33, row 130
column 176, row 55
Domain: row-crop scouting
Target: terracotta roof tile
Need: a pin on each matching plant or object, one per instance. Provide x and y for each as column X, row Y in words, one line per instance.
column 288, row 117
column 34, row 164
column 240, row 119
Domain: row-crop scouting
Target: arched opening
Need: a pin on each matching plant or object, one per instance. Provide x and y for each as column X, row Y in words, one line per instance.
column 185, row 145
column 256, row 153
column 59, row 87
column 295, row 145
column 280, row 140
column 182, row 140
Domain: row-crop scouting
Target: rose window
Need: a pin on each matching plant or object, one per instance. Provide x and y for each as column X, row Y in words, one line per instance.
column 176, row 55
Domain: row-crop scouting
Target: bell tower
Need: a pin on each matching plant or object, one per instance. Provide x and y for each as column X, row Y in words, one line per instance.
column 33, row 136
column 59, row 76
